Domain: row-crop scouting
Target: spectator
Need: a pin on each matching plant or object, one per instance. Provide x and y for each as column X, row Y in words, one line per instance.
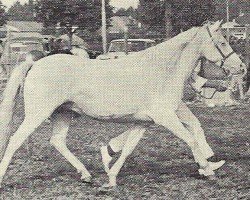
column 78, row 51
column 60, row 47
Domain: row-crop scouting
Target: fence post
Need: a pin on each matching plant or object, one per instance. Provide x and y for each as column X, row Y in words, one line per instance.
column 248, row 53
column 248, row 46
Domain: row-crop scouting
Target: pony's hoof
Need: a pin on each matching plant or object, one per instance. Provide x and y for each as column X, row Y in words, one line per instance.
column 87, row 180
column 108, row 185
column 206, row 172
column 105, row 188
column 212, row 178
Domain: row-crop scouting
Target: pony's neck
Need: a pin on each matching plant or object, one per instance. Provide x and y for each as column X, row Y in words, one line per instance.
column 166, row 54
column 186, row 63
column 190, row 57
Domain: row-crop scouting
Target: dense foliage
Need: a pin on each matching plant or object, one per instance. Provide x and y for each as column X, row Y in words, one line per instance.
column 182, row 14
column 84, row 14
column 22, row 12
column 2, row 14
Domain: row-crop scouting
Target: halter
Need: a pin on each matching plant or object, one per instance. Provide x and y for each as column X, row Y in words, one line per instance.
column 224, row 57
column 199, row 93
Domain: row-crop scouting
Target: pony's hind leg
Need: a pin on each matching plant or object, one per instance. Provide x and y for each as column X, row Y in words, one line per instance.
column 24, row 131
column 127, row 142
column 61, row 123
column 115, row 145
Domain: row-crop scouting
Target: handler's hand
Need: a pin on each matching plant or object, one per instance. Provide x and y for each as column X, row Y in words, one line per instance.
column 219, row 85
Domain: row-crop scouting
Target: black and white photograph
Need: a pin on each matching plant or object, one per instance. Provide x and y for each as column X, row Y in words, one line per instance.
column 124, row 99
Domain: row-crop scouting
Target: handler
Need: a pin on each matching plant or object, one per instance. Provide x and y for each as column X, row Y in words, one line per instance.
column 198, row 80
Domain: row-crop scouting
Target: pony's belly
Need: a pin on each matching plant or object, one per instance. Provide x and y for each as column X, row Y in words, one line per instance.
column 136, row 117
column 106, row 102
column 102, row 110
column 106, row 110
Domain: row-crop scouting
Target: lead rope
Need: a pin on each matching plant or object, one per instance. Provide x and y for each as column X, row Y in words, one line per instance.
column 199, row 93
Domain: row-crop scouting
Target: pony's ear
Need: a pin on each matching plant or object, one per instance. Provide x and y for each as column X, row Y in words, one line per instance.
column 216, row 25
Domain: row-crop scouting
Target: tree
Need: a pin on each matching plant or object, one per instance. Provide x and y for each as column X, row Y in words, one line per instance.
column 173, row 16
column 235, row 8
column 126, row 12
column 121, row 12
column 69, row 14
column 151, row 14
column 3, row 17
column 22, row 12
column 191, row 13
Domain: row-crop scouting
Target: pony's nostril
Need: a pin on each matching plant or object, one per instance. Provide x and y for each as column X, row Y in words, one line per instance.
column 243, row 69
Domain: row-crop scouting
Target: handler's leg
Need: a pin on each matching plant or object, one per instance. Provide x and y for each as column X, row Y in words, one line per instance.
column 170, row 120
column 61, row 123
column 194, row 126
column 127, row 143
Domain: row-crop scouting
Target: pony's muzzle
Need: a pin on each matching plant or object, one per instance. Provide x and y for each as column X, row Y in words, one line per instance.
column 242, row 70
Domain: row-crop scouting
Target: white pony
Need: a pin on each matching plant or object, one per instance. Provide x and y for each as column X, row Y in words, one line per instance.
column 146, row 86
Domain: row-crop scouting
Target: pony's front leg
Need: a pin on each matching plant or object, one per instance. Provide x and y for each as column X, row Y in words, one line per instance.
column 170, row 120
column 61, row 123
column 128, row 144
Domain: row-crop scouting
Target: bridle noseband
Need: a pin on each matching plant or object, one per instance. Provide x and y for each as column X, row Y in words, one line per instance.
column 224, row 57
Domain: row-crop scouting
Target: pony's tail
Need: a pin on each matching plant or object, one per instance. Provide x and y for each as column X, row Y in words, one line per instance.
column 14, row 84
column 8, row 103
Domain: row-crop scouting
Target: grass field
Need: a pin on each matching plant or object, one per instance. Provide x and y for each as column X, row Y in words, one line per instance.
column 161, row 167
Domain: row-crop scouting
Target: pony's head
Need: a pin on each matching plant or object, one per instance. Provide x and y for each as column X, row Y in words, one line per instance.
column 216, row 49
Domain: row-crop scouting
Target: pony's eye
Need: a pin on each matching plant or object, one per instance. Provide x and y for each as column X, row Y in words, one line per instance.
column 223, row 44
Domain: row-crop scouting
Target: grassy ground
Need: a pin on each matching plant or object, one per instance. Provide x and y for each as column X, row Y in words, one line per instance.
column 161, row 167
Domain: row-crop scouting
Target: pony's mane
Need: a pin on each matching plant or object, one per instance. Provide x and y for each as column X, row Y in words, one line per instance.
column 176, row 43
column 182, row 38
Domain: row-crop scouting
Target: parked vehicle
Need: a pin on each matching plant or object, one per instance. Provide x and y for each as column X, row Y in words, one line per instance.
column 18, row 48
column 117, row 47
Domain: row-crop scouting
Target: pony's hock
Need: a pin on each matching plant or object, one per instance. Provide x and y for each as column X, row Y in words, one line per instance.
column 142, row 90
